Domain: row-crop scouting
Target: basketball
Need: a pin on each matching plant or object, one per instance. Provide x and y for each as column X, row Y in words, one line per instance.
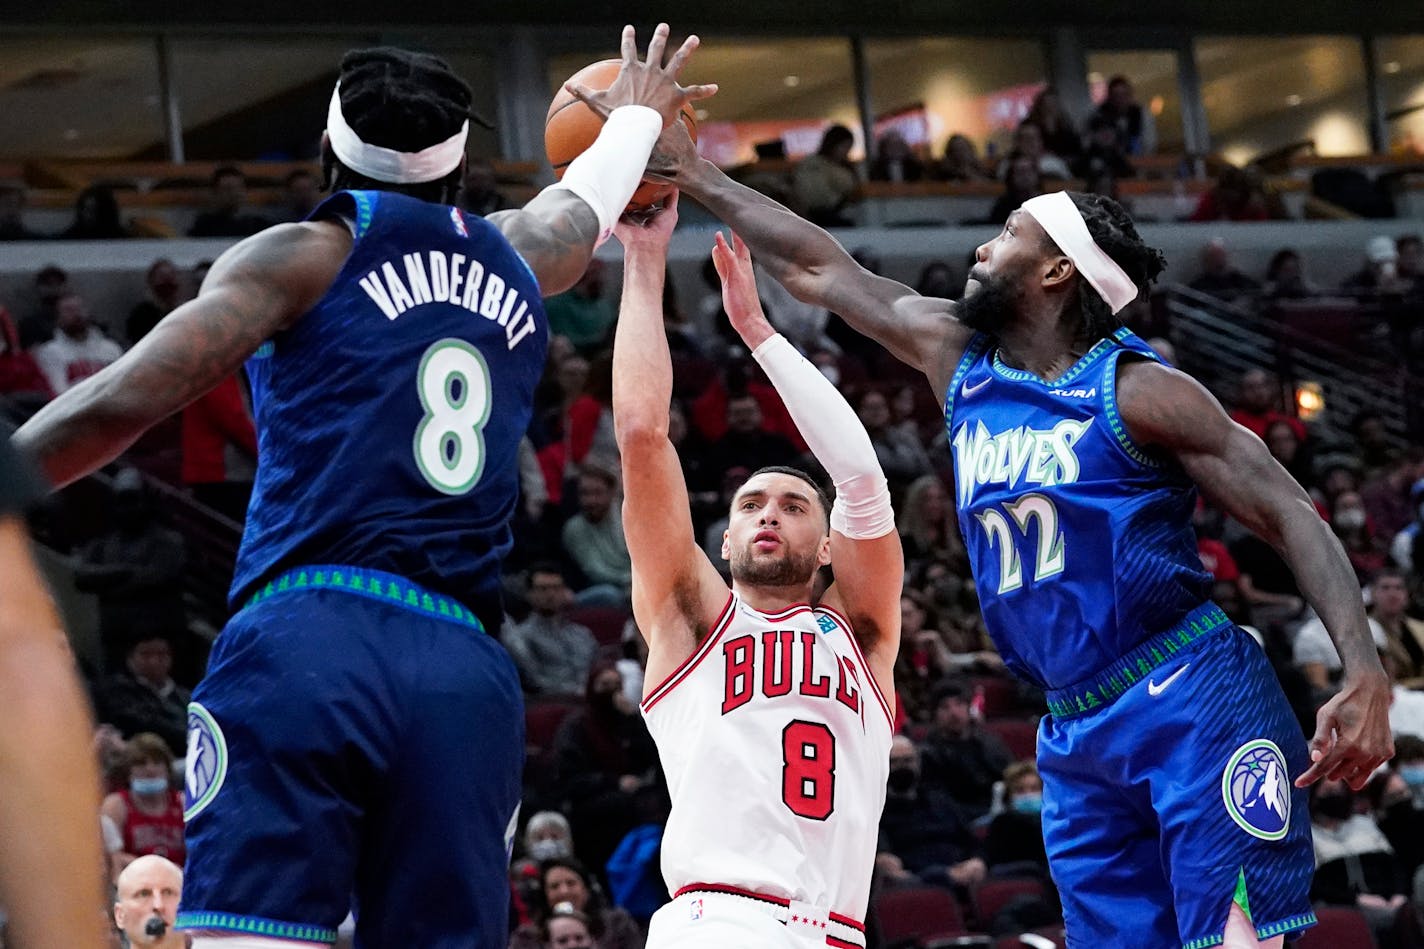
column 571, row 126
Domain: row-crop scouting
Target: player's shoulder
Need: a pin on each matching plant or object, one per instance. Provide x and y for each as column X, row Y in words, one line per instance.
column 1163, row 405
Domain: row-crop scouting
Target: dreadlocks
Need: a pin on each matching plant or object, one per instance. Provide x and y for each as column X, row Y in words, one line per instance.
column 1112, row 229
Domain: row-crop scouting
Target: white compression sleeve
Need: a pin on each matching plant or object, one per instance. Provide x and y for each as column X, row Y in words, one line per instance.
column 837, row 439
column 609, row 170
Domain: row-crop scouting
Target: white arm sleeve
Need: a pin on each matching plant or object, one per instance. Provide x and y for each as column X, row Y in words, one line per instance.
column 609, row 170
column 837, row 439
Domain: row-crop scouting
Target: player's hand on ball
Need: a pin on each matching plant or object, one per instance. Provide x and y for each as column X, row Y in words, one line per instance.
column 650, row 228
column 672, row 154
column 649, row 82
column 739, row 293
column 1352, row 736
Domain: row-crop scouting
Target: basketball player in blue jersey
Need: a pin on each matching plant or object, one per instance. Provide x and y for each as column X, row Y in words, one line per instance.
column 1174, row 810
column 358, row 740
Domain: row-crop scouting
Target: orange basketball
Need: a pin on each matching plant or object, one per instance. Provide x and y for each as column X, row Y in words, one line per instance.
column 571, row 126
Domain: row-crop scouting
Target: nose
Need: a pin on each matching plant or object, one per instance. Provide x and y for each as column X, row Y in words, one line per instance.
column 981, row 253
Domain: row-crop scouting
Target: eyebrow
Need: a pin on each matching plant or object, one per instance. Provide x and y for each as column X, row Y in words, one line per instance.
column 762, row 492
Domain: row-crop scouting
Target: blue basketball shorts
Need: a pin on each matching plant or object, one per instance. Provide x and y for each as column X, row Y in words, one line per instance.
column 357, row 744
column 1173, row 798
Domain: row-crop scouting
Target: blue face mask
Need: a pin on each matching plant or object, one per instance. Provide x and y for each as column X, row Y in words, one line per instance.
column 148, row 785
column 1413, row 775
column 1029, row 803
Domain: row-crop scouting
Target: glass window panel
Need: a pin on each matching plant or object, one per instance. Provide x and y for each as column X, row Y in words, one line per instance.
column 935, row 87
column 1153, row 74
column 786, row 90
column 79, row 97
column 1267, row 93
column 1401, row 66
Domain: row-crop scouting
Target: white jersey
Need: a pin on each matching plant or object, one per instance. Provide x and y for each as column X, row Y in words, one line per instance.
column 775, row 739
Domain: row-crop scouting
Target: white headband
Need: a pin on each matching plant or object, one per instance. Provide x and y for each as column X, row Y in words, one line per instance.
column 386, row 164
column 1059, row 217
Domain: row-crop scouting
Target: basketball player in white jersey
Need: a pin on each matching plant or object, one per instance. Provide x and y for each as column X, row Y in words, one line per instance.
column 770, row 715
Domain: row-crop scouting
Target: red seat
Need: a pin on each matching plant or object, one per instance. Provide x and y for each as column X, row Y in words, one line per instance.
column 1339, row 928
column 605, row 622
column 542, row 720
column 1019, row 735
column 920, row 913
column 1001, row 696
column 991, row 896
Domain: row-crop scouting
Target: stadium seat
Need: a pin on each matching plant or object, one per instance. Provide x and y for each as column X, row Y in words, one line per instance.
column 991, row 896
column 1038, row 939
column 605, row 622
column 919, row 915
column 1001, row 695
column 1339, row 927
column 1019, row 734
column 542, row 720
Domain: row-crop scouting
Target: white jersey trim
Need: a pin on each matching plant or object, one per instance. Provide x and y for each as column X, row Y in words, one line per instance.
column 719, row 626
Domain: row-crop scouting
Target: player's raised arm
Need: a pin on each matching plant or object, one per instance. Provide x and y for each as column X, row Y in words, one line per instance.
column 865, row 548
column 1168, row 409
column 675, row 587
column 559, row 229
column 920, row 331
column 254, row 290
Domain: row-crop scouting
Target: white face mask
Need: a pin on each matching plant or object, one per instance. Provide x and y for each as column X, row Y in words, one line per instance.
column 832, row 372
column 550, row 848
column 1350, row 519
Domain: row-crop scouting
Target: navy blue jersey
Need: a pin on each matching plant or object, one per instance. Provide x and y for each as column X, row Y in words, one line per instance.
column 389, row 416
column 1080, row 541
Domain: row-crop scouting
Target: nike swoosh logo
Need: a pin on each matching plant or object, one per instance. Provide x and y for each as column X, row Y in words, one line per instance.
column 966, row 390
column 1154, row 689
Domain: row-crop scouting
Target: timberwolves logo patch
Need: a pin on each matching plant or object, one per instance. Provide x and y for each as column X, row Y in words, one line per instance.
column 206, row 764
column 1257, row 791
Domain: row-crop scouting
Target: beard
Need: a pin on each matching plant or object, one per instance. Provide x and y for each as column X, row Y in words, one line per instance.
column 989, row 308
column 791, row 570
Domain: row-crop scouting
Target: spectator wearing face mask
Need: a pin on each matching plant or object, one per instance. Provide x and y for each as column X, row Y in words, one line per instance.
column 1409, row 765
column 924, row 837
column 1401, row 551
column 1351, row 524
column 1400, row 819
column 1015, row 840
column 548, row 837
column 149, row 812
column 1355, row 865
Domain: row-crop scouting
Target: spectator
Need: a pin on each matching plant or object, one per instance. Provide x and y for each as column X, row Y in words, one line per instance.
column 220, row 450
column 895, row 161
column 1409, row 762
column 961, row 161
column 1219, row 277
column 1258, row 404
column 1237, row 195
column 78, row 350
column 825, row 183
column 1015, row 840
column 134, row 568
column 588, row 423
column 1103, row 158
column 12, row 214
column 149, row 889
column 924, row 837
column 303, row 194
column 937, row 280
column 567, row 884
column 1028, row 143
column 1401, row 822
column 1406, row 707
column 568, row 929
column 959, row 756
column 925, row 522
column 20, row 375
column 593, row 539
column 1285, row 446
column 1387, row 496
column 481, row 194
column 1372, row 442
column 1022, row 182
column 923, row 661
column 548, row 837
column 228, row 216
column 1354, row 862
column 163, row 295
column 1059, row 134
column 1389, row 598
column 746, row 442
column 1402, row 549
column 143, row 698
column 51, row 283
column 1316, row 657
column 604, row 762
column 1136, row 130
column 898, row 450
column 552, row 652
column 1380, row 276
column 149, row 812
column 1285, row 278
column 583, row 313
column 96, row 217
column 1366, row 550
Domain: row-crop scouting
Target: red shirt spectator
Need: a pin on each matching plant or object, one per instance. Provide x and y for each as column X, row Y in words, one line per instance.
column 212, row 425
column 18, row 371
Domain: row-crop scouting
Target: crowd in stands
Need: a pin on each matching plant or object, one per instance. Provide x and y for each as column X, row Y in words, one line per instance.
column 962, row 812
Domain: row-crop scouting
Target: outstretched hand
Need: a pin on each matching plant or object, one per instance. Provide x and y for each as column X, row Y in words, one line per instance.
column 652, row 228
column 649, row 82
column 1352, row 735
column 739, row 293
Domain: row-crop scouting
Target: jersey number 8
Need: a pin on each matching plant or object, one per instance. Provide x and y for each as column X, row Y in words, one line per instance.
column 808, row 769
column 454, row 386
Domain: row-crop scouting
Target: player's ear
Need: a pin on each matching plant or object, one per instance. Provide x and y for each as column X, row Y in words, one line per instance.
column 823, row 555
column 1057, row 271
column 726, row 545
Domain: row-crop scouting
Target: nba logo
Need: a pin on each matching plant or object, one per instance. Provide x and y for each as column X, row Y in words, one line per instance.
column 458, row 220
column 694, row 910
column 1256, row 789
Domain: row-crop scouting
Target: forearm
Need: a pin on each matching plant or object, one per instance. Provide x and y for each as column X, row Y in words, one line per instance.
column 1328, row 583
column 83, row 429
column 642, row 363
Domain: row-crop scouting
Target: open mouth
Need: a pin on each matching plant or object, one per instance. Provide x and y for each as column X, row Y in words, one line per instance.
column 766, row 540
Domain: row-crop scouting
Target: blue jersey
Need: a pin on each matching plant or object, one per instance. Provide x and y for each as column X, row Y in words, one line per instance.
column 1080, row 541
column 389, row 416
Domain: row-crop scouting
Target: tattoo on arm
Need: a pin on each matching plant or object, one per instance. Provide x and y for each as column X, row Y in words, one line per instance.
column 555, row 234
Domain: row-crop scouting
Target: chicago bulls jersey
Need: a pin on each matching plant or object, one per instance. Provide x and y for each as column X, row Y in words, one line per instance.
column 776, row 740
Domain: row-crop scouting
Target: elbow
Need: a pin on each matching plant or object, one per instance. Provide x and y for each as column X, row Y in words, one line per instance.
column 636, row 433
